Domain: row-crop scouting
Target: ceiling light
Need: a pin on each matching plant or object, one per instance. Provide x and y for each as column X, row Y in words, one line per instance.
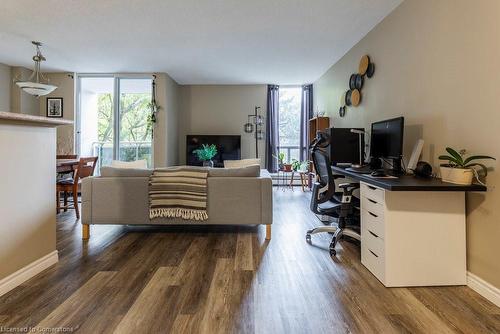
column 36, row 84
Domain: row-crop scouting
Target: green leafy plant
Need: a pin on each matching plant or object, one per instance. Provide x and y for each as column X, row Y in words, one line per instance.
column 153, row 112
column 458, row 160
column 295, row 164
column 280, row 157
column 300, row 165
column 206, row 152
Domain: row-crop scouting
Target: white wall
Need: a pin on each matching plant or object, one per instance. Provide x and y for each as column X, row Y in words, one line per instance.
column 5, row 86
column 27, row 227
column 172, row 113
column 436, row 64
column 221, row 110
column 166, row 128
column 66, row 89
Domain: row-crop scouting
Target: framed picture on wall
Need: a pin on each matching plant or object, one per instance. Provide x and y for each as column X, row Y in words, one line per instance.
column 55, row 107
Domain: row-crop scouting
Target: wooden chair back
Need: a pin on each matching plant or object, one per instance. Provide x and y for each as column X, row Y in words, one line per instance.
column 86, row 167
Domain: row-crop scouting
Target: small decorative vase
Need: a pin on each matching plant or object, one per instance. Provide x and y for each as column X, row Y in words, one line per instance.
column 287, row 167
column 208, row 163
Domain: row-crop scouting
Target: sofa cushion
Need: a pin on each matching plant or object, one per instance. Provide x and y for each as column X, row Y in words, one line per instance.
column 107, row 171
column 241, row 163
column 249, row 171
column 142, row 164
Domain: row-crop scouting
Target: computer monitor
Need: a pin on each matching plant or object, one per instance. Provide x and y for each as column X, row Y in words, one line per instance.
column 387, row 138
column 387, row 142
column 344, row 146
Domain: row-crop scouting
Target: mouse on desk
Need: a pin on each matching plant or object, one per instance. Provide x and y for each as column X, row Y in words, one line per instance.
column 378, row 173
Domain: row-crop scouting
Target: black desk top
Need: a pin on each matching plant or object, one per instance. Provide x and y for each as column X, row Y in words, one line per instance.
column 407, row 182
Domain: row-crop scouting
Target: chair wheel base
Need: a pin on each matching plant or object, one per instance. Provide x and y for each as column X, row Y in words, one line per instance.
column 308, row 238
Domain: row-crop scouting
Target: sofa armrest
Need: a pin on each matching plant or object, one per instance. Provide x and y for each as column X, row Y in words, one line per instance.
column 267, row 200
column 86, row 191
column 115, row 200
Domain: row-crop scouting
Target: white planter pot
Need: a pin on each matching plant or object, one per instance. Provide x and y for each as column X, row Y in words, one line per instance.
column 457, row 175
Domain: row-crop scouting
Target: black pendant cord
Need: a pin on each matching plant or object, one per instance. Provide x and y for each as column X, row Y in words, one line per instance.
column 153, row 105
column 257, row 127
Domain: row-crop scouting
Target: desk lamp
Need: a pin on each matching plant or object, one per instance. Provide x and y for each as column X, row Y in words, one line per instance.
column 360, row 133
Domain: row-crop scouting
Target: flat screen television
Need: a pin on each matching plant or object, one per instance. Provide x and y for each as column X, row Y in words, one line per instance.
column 228, row 148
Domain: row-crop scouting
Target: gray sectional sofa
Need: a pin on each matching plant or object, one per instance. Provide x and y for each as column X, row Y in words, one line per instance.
column 236, row 196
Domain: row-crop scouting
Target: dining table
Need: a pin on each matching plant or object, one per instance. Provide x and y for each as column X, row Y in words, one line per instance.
column 66, row 165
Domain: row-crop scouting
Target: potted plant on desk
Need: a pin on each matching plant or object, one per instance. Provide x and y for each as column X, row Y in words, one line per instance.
column 205, row 154
column 459, row 169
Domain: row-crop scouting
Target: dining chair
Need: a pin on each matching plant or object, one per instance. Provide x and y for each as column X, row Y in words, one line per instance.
column 85, row 168
column 65, row 174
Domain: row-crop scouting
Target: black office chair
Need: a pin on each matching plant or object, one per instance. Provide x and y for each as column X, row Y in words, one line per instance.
column 327, row 201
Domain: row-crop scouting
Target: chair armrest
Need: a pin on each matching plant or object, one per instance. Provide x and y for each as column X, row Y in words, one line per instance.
column 349, row 186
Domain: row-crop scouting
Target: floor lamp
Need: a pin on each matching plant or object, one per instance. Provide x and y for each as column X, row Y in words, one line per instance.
column 255, row 120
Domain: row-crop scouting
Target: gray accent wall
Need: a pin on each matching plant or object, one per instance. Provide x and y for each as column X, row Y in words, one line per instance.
column 221, row 110
column 5, row 85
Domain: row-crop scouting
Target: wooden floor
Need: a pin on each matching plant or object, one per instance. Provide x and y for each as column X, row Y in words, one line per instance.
column 229, row 280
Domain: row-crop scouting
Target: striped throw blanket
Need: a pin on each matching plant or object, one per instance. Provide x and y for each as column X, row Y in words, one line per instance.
column 178, row 192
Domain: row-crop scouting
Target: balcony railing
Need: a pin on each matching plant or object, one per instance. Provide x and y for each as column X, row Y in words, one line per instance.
column 291, row 152
column 129, row 151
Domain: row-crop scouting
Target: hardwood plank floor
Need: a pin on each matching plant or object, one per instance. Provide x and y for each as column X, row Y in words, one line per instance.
column 229, row 280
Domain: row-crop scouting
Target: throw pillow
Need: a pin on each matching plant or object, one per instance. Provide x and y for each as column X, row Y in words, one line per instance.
column 241, row 163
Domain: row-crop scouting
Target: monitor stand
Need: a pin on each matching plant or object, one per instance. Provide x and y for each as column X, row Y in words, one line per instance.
column 396, row 170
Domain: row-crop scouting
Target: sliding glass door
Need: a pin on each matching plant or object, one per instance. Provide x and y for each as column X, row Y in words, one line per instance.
column 112, row 118
column 134, row 128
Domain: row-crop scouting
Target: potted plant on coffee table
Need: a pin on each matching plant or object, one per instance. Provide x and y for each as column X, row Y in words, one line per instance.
column 287, row 167
column 281, row 159
column 460, row 169
column 206, row 153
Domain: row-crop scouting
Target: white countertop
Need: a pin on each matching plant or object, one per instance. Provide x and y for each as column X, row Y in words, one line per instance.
column 18, row 118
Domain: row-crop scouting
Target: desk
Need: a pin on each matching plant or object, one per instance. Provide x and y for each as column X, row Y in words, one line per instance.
column 412, row 230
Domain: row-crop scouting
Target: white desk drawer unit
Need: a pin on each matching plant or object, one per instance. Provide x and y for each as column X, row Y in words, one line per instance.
column 372, row 230
column 405, row 243
column 372, row 192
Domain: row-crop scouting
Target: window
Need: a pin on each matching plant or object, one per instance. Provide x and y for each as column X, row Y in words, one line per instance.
column 113, row 119
column 290, row 99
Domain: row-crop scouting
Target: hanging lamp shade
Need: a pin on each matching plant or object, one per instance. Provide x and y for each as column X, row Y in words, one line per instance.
column 248, row 127
column 36, row 84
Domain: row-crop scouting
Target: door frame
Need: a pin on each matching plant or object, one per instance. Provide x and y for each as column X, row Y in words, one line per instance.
column 116, row 108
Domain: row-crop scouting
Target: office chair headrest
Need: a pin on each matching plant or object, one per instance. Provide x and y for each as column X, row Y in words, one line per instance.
column 322, row 140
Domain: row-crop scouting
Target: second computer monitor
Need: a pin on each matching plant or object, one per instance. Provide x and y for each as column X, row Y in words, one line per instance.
column 344, row 146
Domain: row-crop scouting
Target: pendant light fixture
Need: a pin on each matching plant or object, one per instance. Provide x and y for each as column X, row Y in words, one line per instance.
column 36, row 84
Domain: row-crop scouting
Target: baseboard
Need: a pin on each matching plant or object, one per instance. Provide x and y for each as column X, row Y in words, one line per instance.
column 24, row 274
column 484, row 288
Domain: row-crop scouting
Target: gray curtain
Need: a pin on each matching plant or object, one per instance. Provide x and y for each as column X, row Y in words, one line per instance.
column 306, row 113
column 272, row 128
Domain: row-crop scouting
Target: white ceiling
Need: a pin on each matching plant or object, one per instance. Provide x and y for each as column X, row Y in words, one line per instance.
column 194, row 41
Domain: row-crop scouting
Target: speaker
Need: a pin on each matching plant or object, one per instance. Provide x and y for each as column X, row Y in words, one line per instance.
column 423, row 169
